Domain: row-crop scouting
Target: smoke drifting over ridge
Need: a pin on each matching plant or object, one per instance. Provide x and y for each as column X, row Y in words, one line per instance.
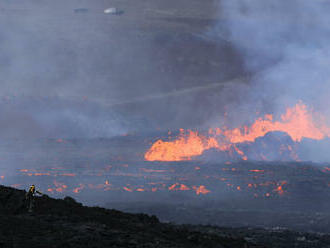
column 286, row 45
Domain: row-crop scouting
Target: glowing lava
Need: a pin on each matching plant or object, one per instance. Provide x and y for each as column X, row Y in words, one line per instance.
column 297, row 122
column 183, row 148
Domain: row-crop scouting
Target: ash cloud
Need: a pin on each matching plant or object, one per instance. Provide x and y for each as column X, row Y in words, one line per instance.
column 286, row 46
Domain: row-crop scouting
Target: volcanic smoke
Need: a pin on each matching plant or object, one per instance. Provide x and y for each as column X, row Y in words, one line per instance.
column 298, row 122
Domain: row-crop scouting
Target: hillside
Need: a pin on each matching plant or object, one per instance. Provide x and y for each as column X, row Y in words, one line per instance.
column 67, row 223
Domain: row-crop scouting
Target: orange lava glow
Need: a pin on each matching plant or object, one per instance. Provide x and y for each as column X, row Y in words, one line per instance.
column 259, row 171
column 297, row 122
column 201, row 190
column 178, row 186
column 183, row 148
column 42, row 174
column 279, row 188
column 78, row 189
column 128, row 189
column 60, row 187
column 68, row 174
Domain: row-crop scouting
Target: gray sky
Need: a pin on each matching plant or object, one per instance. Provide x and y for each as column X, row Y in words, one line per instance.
column 94, row 75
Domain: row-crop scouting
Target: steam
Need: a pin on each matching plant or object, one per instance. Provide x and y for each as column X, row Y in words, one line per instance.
column 286, row 46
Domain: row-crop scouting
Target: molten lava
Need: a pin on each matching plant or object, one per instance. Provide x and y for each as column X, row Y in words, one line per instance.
column 297, row 122
column 183, row 148
column 201, row 190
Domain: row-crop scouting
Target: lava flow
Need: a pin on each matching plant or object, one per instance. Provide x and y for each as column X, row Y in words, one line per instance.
column 297, row 122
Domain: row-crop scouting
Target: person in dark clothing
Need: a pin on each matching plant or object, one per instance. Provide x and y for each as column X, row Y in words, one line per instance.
column 29, row 196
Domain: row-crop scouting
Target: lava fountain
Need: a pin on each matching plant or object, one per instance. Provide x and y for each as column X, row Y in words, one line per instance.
column 298, row 122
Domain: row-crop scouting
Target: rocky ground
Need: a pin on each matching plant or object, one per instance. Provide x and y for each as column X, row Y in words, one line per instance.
column 67, row 223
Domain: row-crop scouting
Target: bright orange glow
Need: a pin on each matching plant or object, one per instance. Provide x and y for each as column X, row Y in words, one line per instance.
column 257, row 171
column 297, row 122
column 201, row 190
column 178, row 186
column 184, row 187
column 68, row 174
column 172, row 187
column 60, row 187
column 42, row 174
column 78, row 189
column 127, row 189
column 183, row 148
column 279, row 188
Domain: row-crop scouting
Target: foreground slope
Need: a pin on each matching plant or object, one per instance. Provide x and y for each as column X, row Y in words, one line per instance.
column 66, row 223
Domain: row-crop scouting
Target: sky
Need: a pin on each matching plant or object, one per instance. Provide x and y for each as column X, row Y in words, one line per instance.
column 87, row 75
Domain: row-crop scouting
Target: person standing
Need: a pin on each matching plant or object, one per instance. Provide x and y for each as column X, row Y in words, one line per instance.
column 30, row 197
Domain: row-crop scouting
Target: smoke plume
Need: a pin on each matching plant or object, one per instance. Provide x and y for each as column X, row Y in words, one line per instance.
column 286, row 46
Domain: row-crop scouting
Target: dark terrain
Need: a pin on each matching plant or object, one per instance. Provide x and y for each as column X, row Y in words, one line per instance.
column 66, row 223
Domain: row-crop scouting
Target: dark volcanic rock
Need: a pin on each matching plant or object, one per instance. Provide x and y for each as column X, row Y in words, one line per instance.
column 66, row 223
